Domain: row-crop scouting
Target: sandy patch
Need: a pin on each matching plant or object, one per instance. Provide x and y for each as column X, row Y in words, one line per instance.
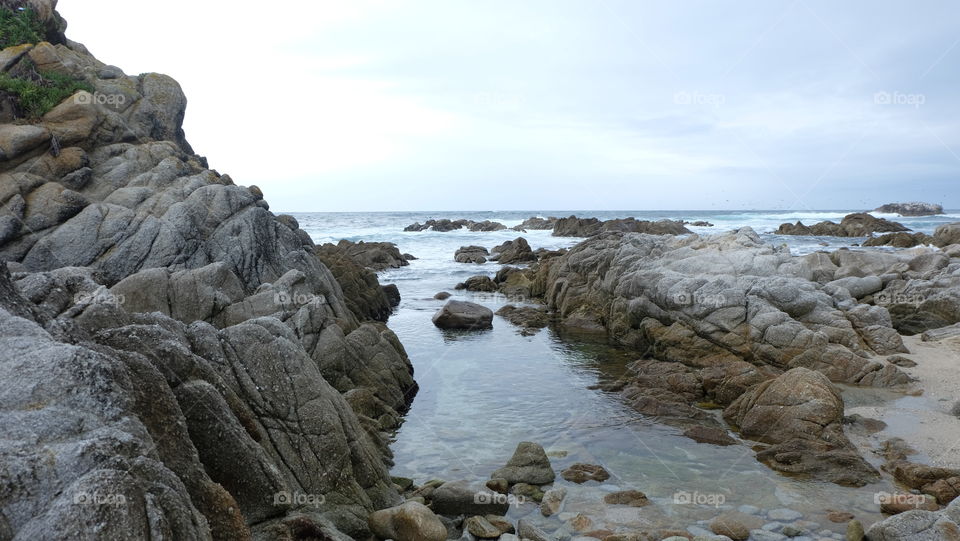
column 924, row 421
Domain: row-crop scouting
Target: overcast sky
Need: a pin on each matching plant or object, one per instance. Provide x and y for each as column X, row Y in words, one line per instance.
column 557, row 104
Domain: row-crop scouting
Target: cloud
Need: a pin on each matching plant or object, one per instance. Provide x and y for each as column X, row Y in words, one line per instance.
column 449, row 104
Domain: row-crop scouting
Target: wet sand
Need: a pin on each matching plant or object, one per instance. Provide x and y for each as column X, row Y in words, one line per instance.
column 924, row 421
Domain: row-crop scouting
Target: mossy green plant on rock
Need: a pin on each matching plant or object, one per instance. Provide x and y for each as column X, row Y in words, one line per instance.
column 38, row 95
column 19, row 26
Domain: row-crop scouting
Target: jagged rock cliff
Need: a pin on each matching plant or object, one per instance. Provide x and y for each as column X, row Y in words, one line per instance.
column 178, row 362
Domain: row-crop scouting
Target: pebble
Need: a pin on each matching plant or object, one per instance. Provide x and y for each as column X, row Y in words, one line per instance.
column 791, row 530
column 766, row 535
column 772, row 526
column 784, row 514
column 749, row 509
column 699, row 532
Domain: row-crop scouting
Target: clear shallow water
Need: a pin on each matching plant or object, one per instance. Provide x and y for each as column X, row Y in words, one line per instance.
column 483, row 392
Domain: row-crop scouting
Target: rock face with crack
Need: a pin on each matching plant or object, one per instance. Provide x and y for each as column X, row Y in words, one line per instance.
column 171, row 347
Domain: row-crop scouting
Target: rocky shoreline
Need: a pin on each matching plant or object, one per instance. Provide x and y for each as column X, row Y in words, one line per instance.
column 183, row 363
column 714, row 340
column 180, row 362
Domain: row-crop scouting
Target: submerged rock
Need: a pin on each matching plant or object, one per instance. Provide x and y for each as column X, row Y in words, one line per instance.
column 633, row 498
column 581, row 473
column 463, row 315
column 525, row 316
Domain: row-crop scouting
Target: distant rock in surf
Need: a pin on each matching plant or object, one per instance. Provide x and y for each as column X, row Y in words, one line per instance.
column 911, row 209
column 858, row 224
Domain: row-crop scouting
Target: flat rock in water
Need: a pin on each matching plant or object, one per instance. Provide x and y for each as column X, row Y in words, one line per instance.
column 581, row 473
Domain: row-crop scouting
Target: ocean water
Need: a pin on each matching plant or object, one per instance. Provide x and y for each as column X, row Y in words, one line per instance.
column 483, row 392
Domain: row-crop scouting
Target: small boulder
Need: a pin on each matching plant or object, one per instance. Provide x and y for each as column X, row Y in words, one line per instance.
column 709, row 434
column 514, row 251
column 478, row 283
column 481, row 527
column 411, row 521
column 529, row 464
column 462, row 498
column 735, row 525
column 552, row 501
column 633, row 498
column 463, row 315
column 471, row 254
